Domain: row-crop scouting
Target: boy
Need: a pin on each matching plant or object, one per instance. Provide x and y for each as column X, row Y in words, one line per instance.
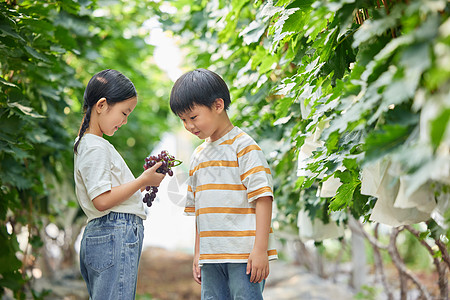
column 229, row 192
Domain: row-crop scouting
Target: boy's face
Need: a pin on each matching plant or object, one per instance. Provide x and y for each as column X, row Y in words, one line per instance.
column 201, row 121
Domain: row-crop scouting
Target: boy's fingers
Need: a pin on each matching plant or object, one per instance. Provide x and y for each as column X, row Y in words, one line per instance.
column 196, row 272
column 258, row 276
column 249, row 267
column 254, row 275
column 197, row 278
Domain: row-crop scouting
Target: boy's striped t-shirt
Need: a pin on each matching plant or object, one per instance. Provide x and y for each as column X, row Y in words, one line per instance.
column 225, row 178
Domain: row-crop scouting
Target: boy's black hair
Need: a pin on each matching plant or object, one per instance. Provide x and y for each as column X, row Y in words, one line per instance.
column 198, row 87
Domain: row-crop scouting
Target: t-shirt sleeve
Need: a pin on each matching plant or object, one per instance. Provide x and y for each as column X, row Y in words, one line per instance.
column 189, row 208
column 95, row 170
column 254, row 172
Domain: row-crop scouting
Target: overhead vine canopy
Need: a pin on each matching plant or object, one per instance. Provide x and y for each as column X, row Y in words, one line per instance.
column 350, row 100
column 347, row 86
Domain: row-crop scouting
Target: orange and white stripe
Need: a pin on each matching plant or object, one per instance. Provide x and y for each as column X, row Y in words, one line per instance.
column 226, row 177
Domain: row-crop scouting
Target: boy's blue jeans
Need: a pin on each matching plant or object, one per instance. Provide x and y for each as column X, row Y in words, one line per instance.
column 109, row 256
column 229, row 281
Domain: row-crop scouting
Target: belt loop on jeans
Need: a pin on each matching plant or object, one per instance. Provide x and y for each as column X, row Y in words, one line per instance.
column 125, row 216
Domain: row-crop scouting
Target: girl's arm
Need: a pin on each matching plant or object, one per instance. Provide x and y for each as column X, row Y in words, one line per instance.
column 119, row 194
column 258, row 261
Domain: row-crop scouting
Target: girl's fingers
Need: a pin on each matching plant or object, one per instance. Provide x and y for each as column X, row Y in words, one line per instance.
column 156, row 166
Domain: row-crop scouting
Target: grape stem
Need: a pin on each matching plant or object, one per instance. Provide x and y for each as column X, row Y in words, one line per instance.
column 178, row 162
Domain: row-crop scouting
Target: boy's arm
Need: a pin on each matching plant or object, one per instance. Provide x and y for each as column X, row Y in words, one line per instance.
column 258, row 261
column 195, row 267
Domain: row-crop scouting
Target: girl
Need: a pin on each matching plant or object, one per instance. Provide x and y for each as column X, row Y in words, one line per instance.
column 107, row 191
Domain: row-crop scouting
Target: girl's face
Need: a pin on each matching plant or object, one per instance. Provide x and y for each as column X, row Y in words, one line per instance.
column 111, row 117
column 201, row 121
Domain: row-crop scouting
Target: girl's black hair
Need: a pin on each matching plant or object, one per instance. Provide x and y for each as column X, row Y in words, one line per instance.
column 109, row 84
column 198, row 87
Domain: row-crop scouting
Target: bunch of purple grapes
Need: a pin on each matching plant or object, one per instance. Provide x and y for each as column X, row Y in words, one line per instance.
column 168, row 162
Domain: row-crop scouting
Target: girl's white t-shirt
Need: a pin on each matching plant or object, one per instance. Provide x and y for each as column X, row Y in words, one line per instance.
column 98, row 168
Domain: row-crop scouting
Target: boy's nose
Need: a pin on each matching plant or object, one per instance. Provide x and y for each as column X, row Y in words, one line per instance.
column 189, row 126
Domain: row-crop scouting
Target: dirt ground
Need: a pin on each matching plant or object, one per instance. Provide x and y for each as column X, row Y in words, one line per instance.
column 166, row 275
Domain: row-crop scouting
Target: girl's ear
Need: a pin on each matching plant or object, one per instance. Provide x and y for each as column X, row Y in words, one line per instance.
column 101, row 105
column 219, row 105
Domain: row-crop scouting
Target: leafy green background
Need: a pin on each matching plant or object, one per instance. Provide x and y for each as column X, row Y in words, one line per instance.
column 374, row 75
column 48, row 52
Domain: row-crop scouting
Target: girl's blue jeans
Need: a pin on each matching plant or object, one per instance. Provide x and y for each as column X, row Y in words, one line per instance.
column 224, row 281
column 109, row 256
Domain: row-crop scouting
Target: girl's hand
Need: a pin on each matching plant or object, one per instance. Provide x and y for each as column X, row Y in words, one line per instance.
column 150, row 178
column 258, row 266
column 196, row 270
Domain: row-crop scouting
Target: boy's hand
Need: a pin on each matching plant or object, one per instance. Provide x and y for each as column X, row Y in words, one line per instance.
column 196, row 270
column 258, row 265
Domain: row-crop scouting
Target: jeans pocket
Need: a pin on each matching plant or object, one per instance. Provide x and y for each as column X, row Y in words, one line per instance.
column 134, row 236
column 130, row 260
column 132, row 248
column 100, row 252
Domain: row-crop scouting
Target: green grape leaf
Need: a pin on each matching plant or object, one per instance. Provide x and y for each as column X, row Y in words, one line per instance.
column 344, row 195
column 383, row 141
column 25, row 110
column 439, row 127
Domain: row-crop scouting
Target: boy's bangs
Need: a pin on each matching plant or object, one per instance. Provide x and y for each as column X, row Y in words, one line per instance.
column 186, row 95
column 198, row 87
column 182, row 102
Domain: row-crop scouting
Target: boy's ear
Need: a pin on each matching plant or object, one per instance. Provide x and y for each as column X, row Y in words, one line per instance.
column 101, row 105
column 219, row 105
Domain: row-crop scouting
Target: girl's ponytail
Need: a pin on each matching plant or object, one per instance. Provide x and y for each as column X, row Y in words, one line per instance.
column 84, row 127
column 109, row 84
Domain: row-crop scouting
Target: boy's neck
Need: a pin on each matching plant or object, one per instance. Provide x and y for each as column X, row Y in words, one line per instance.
column 227, row 127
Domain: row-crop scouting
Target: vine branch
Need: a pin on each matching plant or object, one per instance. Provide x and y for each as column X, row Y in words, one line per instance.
column 400, row 265
column 376, row 246
column 441, row 268
column 444, row 252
